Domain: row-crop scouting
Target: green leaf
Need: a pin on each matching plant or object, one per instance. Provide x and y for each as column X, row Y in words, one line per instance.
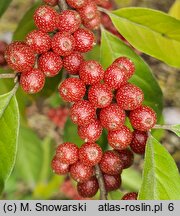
column 175, row 9
column 9, row 126
column 161, row 179
column 4, row 5
column 115, row 195
column 112, row 48
column 176, row 129
column 150, row 31
column 26, row 24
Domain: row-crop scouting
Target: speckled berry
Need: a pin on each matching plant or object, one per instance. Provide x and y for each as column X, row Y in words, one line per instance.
column 130, row 196
column 91, row 72
column 112, row 182
column 90, row 154
column 20, row 57
column 88, row 12
column 84, row 40
column 82, row 112
column 69, row 21
column 94, row 23
column 90, row 132
column 80, row 172
column 72, row 89
column 100, row 95
column 77, row 3
column 115, row 76
column 50, row 63
column 72, row 62
column 39, row 41
column 129, row 97
column 120, row 139
column 58, row 167
column 32, row 81
column 112, row 117
column 111, row 163
column 67, row 153
column 126, row 63
column 46, row 18
column 138, row 144
column 127, row 157
column 88, row 188
column 63, row 43
column 51, row 2
column 143, row 118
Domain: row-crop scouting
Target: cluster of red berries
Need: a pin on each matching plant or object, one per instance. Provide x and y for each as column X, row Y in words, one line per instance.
column 3, row 46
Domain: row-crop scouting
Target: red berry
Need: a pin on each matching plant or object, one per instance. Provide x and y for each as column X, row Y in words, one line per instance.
column 120, row 139
column 88, row 12
column 115, row 76
column 82, row 112
column 46, row 18
column 88, row 188
column 50, row 63
column 126, row 63
column 94, row 23
column 32, row 81
column 129, row 97
column 84, row 40
column 58, row 167
column 90, row 154
column 100, row 95
column 51, row 2
column 112, row 117
column 143, row 118
column 67, row 153
column 127, row 157
column 80, row 172
column 77, row 3
column 72, row 89
column 3, row 46
column 39, row 41
column 90, row 132
column 112, row 182
column 138, row 144
column 20, row 57
column 72, row 62
column 63, row 43
column 91, row 72
column 2, row 60
column 69, row 21
column 130, row 196
column 111, row 163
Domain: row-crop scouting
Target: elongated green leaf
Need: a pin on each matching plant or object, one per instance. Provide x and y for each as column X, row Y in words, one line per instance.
column 152, row 32
column 161, row 179
column 9, row 126
column 4, row 5
column 175, row 9
column 112, row 48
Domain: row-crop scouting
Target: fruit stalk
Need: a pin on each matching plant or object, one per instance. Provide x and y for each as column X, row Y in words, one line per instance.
column 62, row 4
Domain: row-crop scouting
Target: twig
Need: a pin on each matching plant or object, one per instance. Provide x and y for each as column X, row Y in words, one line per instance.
column 103, row 10
column 62, row 5
column 165, row 127
column 7, row 76
column 99, row 176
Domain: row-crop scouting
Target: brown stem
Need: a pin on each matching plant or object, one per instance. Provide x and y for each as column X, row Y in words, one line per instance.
column 99, row 176
column 7, row 76
column 62, row 5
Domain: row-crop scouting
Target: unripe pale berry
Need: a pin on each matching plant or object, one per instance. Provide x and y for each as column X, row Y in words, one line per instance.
column 100, row 95
column 67, row 153
column 72, row 89
column 50, row 63
column 90, row 154
column 84, row 40
column 20, row 56
column 120, row 139
column 39, row 41
column 46, row 18
column 91, row 72
column 63, row 43
column 90, row 132
column 138, row 144
column 58, row 167
column 72, row 62
column 77, row 3
column 129, row 97
column 143, row 118
column 112, row 182
column 130, row 196
column 82, row 112
column 32, row 81
column 88, row 188
column 112, row 117
column 127, row 157
column 80, row 172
